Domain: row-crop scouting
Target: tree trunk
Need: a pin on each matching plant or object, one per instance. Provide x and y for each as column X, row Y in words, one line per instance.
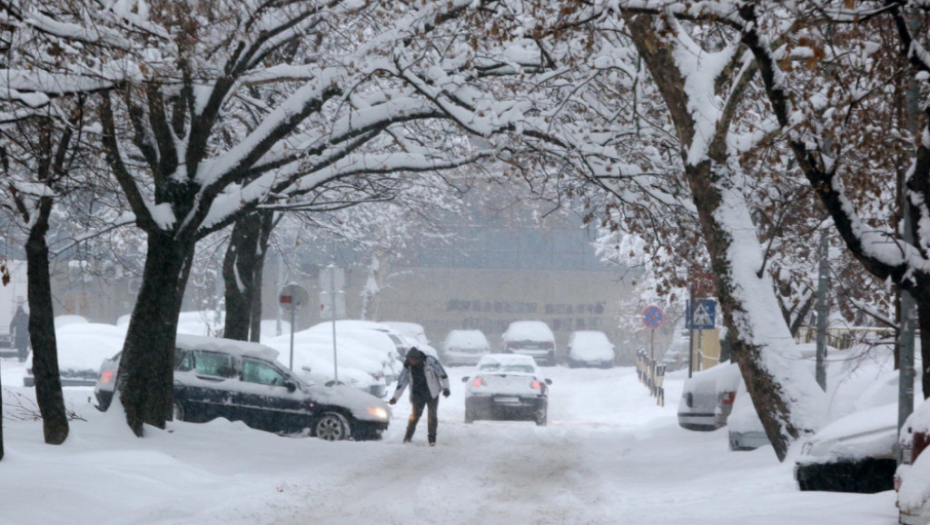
column 785, row 396
column 243, row 266
column 147, row 364
column 42, row 331
column 782, row 390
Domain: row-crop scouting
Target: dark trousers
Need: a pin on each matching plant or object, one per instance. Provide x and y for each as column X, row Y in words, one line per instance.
column 432, row 421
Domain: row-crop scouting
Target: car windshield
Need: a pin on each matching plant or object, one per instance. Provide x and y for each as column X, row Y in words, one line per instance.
column 498, row 367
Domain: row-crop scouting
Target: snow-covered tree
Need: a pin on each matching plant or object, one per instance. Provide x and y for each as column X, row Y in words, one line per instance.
column 337, row 87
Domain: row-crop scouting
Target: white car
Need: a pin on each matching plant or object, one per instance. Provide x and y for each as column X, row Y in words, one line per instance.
column 588, row 348
column 532, row 338
column 707, row 398
column 360, row 364
column 744, row 426
column 81, row 348
column 464, row 347
column 507, row 386
column 911, row 479
column 414, row 334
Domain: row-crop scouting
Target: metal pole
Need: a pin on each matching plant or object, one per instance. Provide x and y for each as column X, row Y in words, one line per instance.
column 332, row 290
column 280, row 285
column 700, row 356
column 689, row 322
column 906, row 370
column 823, row 310
column 293, row 310
column 652, row 361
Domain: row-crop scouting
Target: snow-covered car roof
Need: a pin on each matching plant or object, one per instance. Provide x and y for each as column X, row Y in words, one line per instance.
column 590, row 344
column 867, row 433
column 239, row 348
column 589, row 337
column 314, row 350
column 83, row 346
column 466, row 339
column 509, row 362
column 528, row 331
column 411, row 331
column 724, row 377
column 375, row 335
column 62, row 321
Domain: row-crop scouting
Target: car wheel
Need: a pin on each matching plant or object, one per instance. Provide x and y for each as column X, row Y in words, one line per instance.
column 332, row 426
column 542, row 419
column 177, row 411
column 469, row 417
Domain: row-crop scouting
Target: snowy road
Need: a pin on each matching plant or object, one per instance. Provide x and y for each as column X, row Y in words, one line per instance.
column 608, row 456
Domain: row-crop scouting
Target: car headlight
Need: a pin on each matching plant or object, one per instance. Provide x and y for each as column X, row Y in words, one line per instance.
column 378, row 412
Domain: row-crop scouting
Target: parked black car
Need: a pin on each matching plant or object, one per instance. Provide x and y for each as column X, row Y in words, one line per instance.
column 856, row 453
column 244, row 382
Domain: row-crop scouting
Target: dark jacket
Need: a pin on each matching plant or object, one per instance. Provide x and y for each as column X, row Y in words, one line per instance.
column 436, row 377
column 19, row 328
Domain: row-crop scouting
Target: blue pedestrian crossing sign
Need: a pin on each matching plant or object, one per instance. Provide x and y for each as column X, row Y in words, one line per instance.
column 701, row 315
column 653, row 317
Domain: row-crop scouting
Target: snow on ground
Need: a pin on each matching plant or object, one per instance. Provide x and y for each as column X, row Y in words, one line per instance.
column 608, row 456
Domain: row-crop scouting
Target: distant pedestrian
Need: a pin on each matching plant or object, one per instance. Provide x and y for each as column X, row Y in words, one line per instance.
column 427, row 378
column 19, row 333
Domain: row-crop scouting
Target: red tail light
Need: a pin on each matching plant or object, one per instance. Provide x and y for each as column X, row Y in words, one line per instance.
column 106, row 377
column 478, row 382
column 921, row 441
column 728, row 398
column 536, row 385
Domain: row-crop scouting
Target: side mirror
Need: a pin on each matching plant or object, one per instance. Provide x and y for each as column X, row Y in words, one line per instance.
column 290, row 386
column 465, row 379
column 548, row 381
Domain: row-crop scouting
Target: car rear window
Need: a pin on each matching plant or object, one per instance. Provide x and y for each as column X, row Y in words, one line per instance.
column 209, row 364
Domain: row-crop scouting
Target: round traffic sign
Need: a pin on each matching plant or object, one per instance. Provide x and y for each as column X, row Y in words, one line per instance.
column 293, row 296
column 653, row 317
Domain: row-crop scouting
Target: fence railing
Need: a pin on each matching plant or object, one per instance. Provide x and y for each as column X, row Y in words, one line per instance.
column 843, row 338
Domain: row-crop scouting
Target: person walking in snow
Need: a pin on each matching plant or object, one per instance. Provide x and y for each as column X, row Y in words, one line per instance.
column 19, row 333
column 427, row 378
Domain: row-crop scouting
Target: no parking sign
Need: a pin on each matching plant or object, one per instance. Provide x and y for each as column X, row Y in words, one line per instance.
column 653, row 317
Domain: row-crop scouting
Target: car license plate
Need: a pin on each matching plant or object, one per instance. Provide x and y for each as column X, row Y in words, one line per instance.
column 507, row 400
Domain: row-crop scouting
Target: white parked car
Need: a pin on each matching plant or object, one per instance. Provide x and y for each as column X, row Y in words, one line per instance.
column 363, row 329
column 532, row 338
column 590, row 348
column 464, row 347
column 707, row 397
column 912, row 479
column 359, row 365
column 507, row 386
column 743, row 424
column 676, row 356
column 82, row 346
column 414, row 334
